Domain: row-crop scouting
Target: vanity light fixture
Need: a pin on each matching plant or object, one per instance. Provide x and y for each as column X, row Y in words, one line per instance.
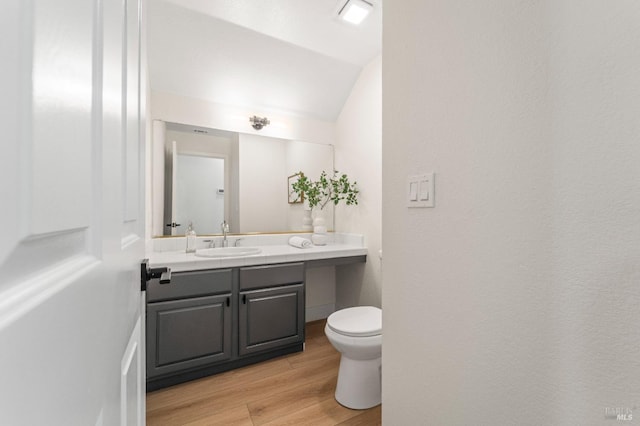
column 354, row 11
column 258, row 122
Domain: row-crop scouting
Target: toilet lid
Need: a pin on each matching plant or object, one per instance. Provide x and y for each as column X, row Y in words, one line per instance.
column 360, row 321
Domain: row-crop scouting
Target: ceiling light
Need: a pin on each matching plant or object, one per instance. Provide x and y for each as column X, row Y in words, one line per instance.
column 354, row 11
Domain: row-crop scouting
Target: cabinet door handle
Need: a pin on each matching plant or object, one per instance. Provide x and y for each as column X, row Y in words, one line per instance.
column 244, row 299
column 228, row 301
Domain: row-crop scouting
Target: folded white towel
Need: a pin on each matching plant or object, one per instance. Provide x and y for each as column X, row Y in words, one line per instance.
column 300, row 242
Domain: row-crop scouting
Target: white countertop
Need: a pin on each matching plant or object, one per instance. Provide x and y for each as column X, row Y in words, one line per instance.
column 180, row 261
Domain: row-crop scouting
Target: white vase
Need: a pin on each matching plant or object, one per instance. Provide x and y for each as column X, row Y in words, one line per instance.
column 307, row 221
column 319, row 236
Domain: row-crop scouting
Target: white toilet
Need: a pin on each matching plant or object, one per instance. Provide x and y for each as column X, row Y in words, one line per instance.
column 357, row 334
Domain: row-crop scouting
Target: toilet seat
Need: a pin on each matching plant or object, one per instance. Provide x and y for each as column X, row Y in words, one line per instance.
column 360, row 321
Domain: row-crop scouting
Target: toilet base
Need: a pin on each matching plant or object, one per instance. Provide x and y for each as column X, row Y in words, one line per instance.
column 359, row 383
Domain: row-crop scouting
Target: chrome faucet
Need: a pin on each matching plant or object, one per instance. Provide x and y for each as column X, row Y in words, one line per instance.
column 225, row 231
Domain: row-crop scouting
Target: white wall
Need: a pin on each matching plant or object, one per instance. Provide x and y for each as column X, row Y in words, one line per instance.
column 155, row 183
column 200, row 144
column 515, row 300
column 358, row 153
column 263, row 179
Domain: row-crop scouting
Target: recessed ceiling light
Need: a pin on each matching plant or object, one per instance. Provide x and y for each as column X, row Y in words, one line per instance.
column 354, row 11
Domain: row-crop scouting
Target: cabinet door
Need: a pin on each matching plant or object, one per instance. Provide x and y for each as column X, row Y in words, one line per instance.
column 183, row 334
column 271, row 318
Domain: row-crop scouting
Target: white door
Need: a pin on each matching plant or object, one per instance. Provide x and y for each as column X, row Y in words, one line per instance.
column 199, row 192
column 72, row 215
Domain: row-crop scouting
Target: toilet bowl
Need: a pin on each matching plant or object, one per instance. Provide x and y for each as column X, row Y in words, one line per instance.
column 357, row 334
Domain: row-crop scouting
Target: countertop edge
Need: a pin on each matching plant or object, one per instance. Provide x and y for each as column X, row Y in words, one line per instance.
column 180, row 261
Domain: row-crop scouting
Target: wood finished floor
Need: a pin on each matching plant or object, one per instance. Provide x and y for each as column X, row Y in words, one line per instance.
column 295, row 389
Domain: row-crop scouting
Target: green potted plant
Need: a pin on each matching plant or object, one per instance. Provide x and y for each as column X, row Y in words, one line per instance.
column 319, row 193
column 334, row 188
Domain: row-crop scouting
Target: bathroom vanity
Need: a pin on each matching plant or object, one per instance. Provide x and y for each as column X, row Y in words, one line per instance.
column 219, row 314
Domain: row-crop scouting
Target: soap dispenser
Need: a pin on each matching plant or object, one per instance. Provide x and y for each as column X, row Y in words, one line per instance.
column 191, row 239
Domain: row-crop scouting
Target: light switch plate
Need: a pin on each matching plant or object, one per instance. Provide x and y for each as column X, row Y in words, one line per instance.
column 421, row 190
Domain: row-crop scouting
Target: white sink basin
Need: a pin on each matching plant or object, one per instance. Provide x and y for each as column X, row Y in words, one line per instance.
column 228, row 251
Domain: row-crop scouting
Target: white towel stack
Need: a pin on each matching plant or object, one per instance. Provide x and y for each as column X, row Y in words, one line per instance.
column 300, row 242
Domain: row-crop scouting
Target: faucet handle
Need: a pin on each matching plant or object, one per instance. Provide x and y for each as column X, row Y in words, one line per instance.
column 212, row 243
column 235, row 244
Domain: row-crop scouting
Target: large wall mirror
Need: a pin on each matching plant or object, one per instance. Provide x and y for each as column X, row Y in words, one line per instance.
column 206, row 176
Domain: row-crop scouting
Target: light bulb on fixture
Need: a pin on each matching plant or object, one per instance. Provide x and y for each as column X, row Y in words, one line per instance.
column 354, row 11
column 258, row 122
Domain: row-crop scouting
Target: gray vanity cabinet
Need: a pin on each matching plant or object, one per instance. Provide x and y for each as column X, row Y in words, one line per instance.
column 189, row 322
column 271, row 307
column 209, row 321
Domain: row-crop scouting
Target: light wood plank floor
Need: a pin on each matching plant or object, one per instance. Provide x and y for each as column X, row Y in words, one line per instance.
column 295, row 389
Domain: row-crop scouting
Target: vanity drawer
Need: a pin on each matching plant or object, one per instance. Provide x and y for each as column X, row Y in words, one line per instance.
column 271, row 275
column 190, row 284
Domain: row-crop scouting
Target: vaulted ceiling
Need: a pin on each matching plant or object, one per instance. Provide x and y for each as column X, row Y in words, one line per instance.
column 292, row 56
